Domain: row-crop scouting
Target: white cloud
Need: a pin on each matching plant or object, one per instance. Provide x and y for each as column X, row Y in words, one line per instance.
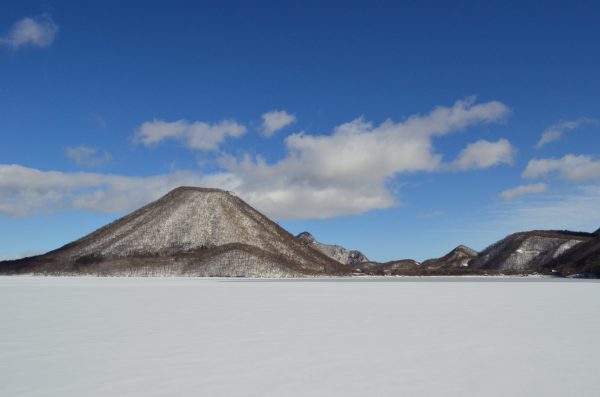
column 276, row 120
column 532, row 188
column 85, row 156
column 555, row 132
column 346, row 172
column 485, row 154
column 196, row 135
column 34, row 32
column 571, row 167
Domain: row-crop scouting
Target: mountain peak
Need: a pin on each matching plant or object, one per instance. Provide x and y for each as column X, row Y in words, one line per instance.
column 190, row 231
column 198, row 189
column 465, row 249
column 459, row 257
column 306, row 237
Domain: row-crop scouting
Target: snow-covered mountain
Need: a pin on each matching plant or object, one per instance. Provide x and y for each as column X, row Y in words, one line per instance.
column 210, row 232
column 336, row 252
column 527, row 251
column 189, row 231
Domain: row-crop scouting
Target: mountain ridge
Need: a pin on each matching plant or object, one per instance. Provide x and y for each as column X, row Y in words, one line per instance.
column 527, row 251
column 194, row 231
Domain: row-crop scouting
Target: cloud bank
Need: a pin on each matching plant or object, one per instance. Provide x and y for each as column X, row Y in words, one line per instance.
column 26, row 191
column 347, row 172
column 343, row 173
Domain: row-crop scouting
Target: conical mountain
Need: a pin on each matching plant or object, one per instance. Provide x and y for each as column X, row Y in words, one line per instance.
column 189, row 231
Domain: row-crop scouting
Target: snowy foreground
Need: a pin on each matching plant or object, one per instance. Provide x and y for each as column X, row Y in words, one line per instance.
column 206, row 337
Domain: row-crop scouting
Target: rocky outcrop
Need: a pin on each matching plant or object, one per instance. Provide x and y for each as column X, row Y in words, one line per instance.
column 189, row 231
column 336, row 252
column 459, row 257
column 527, row 251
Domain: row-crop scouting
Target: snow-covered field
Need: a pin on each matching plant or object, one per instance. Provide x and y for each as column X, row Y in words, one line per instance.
column 206, row 337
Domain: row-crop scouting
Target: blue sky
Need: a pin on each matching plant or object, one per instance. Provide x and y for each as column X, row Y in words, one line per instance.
column 398, row 128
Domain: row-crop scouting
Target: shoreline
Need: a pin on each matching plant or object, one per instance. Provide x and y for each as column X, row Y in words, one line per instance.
column 436, row 278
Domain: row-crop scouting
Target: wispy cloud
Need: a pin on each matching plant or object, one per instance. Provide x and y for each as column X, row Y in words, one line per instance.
column 32, row 31
column 430, row 215
column 195, row 135
column 98, row 119
column 576, row 209
column 556, row 131
column 276, row 120
column 522, row 190
column 85, row 156
column 573, row 168
column 485, row 154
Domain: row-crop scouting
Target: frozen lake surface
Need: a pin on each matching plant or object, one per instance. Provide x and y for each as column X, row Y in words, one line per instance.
column 214, row 337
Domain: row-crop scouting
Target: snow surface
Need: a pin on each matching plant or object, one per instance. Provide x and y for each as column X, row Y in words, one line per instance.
column 321, row 337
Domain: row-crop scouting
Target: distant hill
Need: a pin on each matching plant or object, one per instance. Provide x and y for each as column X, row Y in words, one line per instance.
column 528, row 251
column 581, row 259
column 187, row 232
column 392, row 268
column 558, row 252
column 459, row 257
